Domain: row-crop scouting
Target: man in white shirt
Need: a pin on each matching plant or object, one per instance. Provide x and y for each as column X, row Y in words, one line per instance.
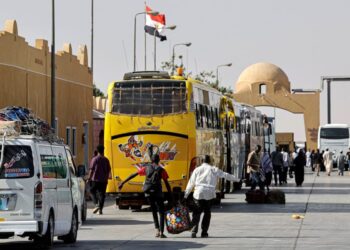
column 204, row 179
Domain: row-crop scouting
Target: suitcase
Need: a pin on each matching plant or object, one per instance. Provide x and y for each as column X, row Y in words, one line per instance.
column 177, row 219
column 255, row 196
column 276, row 197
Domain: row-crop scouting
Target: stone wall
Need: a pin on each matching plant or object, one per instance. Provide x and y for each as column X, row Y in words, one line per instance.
column 25, row 80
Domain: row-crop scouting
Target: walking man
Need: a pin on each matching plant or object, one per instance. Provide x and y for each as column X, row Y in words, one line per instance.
column 100, row 172
column 204, row 179
column 277, row 163
column 328, row 161
column 267, row 168
column 253, row 169
column 318, row 161
column 341, row 163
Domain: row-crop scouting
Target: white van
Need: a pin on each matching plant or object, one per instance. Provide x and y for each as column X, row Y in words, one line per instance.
column 40, row 193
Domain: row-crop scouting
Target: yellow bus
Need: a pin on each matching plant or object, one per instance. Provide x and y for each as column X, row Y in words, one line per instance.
column 153, row 113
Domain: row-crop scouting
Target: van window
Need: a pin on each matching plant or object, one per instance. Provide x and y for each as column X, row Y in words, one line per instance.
column 17, row 163
column 61, row 166
column 48, row 163
column 54, row 166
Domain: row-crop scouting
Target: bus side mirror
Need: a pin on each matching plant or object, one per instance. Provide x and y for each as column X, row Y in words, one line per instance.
column 81, row 171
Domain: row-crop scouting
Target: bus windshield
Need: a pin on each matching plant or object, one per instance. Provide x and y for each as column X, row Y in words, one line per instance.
column 334, row 133
column 149, row 97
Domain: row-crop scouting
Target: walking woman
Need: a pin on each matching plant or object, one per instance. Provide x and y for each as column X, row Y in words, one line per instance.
column 153, row 191
column 299, row 162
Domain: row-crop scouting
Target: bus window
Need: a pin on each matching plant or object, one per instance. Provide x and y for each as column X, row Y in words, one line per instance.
column 203, row 117
column 149, row 97
column 198, row 116
column 238, row 124
column 157, row 99
column 218, row 125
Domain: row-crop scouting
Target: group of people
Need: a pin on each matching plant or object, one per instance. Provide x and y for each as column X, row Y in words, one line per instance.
column 280, row 164
column 203, row 180
column 324, row 161
column 261, row 168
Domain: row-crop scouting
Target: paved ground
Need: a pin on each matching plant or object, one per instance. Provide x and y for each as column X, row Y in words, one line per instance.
column 324, row 201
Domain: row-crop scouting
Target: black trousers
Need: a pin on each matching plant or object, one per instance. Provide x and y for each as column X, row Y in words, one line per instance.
column 98, row 193
column 157, row 205
column 277, row 170
column 199, row 207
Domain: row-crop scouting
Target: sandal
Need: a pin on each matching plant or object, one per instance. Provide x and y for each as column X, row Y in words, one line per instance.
column 158, row 234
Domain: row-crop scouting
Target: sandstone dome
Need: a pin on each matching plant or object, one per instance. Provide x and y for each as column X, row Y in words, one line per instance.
column 263, row 73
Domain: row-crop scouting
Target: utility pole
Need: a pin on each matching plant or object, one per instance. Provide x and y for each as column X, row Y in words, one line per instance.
column 53, row 82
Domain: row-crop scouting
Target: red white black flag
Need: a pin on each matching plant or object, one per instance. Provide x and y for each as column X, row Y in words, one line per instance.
column 154, row 24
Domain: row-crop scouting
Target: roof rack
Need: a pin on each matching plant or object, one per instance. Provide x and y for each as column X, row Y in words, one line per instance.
column 146, row 75
column 19, row 121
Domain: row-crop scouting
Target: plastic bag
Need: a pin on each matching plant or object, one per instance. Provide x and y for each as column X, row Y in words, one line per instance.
column 178, row 219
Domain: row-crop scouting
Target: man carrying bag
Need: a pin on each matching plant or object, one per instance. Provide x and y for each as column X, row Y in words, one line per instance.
column 204, row 179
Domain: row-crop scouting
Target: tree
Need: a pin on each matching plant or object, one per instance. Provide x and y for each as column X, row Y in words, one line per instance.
column 207, row 77
column 97, row 92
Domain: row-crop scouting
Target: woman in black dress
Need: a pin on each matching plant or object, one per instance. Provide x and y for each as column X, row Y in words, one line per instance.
column 299, row 162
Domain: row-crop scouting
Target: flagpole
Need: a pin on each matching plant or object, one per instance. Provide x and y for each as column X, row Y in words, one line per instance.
column 155, row 49
column 145, row 42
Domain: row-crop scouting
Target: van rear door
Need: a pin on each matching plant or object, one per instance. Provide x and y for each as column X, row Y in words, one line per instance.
column 17, row 182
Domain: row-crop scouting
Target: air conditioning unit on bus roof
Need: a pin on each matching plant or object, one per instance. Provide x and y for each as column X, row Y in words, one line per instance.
column 146, row 75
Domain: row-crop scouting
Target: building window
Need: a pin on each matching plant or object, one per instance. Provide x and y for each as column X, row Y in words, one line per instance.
column 262, row 89
column 74, row 141
column 68, row 129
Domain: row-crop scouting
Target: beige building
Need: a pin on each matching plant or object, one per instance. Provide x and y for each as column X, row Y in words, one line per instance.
column 25, row 80
column 265, row 84
column 285, row 140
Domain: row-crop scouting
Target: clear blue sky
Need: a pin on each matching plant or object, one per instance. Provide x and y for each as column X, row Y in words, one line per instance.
column 307, row 39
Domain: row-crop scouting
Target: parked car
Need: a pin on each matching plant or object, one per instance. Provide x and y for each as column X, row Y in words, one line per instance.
column 41, row 194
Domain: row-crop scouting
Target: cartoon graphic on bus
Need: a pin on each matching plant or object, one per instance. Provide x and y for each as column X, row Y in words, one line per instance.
column 136, row 149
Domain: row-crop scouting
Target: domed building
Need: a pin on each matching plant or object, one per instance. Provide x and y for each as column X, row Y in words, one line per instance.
column 265, row 84
column 266, row 74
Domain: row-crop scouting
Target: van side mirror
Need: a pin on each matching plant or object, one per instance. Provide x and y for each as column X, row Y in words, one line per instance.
column 81, row 171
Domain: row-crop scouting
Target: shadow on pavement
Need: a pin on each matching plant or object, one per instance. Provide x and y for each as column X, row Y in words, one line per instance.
column 167, row 244
column 109, row 221
column 289, row 207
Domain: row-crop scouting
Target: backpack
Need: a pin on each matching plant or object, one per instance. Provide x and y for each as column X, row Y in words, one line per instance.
column 153, row 179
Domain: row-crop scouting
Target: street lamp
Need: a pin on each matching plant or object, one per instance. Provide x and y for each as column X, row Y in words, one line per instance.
column 217, row 71
column 172, row 27
column 173, row 56
column 154, row 13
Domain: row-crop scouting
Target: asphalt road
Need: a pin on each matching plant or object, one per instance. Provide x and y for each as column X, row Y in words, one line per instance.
column 324, row 201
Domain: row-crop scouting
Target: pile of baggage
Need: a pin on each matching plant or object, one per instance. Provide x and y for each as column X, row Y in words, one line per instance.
column 24, row 121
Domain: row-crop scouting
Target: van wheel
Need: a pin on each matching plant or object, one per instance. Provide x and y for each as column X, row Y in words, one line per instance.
column 84, row 211
column 71, row 237
column 46, row 241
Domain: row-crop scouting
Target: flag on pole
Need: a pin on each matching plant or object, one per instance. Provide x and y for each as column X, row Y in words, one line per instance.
column 155, row 24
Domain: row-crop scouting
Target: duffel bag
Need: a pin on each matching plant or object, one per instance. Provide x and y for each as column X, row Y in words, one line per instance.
column 177, row 219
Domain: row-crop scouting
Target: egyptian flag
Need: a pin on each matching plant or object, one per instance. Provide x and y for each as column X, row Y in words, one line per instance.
column 155, row 24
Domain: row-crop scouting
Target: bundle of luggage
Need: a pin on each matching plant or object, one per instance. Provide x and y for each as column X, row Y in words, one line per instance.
column 255, row 196
column 272, row 197
column 25, row 121
column 177, row 219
